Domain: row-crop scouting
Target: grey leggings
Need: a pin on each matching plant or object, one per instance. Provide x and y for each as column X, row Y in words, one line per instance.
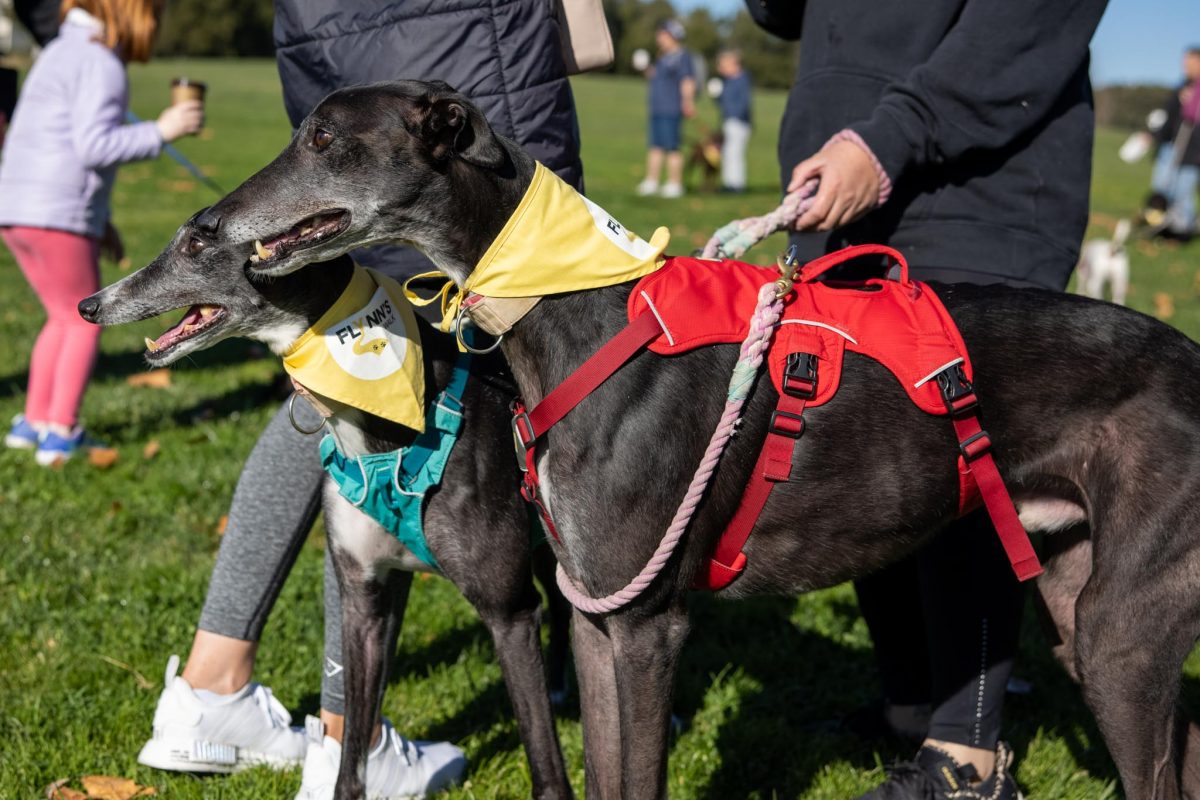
column 276, row 501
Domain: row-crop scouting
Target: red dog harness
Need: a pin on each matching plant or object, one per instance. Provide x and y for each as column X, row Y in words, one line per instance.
column 902, row 324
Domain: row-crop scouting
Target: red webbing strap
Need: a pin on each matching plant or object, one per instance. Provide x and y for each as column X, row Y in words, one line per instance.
column 976, row 448
column 528, row 427
column 593, row 372
column 774, row 465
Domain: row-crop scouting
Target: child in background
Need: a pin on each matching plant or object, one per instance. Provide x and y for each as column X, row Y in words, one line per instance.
column 735, row 115
column 60, row 158
column 1177, row 166
column 672, row 97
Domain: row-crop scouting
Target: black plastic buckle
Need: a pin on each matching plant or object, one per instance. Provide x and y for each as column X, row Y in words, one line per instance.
column 800, row 376
column 968, row 450
column 774, row 427
column 957, row 392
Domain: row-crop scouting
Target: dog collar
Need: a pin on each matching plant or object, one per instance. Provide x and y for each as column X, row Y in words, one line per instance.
column 365, row 352
column 556, row 241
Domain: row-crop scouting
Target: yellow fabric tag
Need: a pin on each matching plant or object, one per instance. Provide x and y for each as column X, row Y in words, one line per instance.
column 557, row 241
column 365, row 351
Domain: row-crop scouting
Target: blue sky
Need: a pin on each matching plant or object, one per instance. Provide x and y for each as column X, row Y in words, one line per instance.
column 1139, row 41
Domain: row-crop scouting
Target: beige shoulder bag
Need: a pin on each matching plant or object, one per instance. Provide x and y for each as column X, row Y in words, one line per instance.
column 586, row 41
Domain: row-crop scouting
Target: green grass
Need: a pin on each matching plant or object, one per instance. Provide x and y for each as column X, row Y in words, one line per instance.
column 99, row 567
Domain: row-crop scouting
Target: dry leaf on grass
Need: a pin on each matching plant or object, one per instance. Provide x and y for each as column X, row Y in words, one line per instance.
column 222, row 524
column 125, row 263
column 151, row 449
column 106, row 787
column 155, row 379
column 1164, row 305
column 102, row 457
column 60, row 791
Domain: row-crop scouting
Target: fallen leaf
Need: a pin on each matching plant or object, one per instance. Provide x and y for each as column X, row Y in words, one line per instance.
column 1164, row 305
column 106, row 787
column 222, row 524
column 151, row 449
column 102, row 457
column 60, row 791
column 155, row 379
column 125, row 263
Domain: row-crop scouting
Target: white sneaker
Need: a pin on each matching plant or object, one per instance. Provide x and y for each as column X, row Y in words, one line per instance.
column 647, row 188
column 196, row 734
column 671, row 191
column 397, row 769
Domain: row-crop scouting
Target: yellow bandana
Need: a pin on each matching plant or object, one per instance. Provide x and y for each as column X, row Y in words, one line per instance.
column 365, row 352
column 556, row 241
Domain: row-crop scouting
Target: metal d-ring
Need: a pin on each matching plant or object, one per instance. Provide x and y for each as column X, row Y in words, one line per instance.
column 458, row 334
column 292, row 417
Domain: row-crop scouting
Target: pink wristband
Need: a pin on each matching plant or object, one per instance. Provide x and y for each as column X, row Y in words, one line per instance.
column 885, row 183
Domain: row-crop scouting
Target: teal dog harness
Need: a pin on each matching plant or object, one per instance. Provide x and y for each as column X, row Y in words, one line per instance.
column 390, row 487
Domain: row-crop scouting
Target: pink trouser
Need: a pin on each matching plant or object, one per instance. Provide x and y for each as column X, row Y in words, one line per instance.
column 63, row 268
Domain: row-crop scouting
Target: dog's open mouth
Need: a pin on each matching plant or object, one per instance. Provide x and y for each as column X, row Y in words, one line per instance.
column 306, row 233
column 199, row 318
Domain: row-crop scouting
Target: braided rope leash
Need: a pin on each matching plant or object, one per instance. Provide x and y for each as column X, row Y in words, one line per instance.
column 753, row 351
column 734, row 239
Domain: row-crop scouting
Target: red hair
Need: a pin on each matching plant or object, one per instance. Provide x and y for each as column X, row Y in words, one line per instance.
column 130, row 26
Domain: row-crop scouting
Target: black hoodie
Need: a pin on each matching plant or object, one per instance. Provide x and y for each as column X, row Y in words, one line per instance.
column 979, row 110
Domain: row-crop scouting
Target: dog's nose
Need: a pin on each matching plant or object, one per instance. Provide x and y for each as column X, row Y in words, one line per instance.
column 209, row 221
column 89, row 307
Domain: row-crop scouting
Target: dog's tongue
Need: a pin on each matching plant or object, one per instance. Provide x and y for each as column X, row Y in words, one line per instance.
column 194, row 316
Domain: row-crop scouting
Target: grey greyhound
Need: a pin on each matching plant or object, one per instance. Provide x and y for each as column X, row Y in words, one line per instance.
column 476, row 526
column 1093, row 407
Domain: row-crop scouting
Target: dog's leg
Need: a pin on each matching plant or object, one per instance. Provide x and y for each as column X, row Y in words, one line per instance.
column 372, row 609
column 1130, row 648
column 559, row 618
column 646, row 651
column 1120, row 280
column 519, row 650
column 598, row 707
column 1068, row 563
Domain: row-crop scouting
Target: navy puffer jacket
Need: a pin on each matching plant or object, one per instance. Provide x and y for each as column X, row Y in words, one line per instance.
column 503, row 54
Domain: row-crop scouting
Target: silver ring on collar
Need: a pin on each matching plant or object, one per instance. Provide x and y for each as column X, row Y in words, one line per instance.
column 458, row 334
column 292, row 417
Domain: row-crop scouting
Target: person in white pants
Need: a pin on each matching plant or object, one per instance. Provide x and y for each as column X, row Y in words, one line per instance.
column 735, row 112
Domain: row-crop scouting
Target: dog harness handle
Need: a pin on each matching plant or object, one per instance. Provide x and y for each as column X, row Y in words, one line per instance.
column 817, row 267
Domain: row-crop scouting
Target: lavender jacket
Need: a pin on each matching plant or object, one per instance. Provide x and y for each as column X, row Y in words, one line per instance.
column 67, row 136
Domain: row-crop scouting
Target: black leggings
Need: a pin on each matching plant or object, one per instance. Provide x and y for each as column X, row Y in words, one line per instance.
column 945, row 623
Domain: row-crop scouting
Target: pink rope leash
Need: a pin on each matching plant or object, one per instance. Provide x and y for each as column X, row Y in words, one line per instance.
column 753, row 351
column 734, row 239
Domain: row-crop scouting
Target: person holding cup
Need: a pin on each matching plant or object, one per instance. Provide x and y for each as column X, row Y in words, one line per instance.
column 60, row 159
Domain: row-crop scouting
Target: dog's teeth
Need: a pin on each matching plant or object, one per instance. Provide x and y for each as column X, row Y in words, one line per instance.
column 262, row 252
column 151, row 345
column 306, row 230
column 206, row 311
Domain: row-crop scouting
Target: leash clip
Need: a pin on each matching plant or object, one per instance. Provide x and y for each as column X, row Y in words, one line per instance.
column 786, row 263
column 522, row 429
column 458, row 334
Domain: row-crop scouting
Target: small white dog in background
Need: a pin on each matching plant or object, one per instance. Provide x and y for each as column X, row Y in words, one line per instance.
column 1106, row 261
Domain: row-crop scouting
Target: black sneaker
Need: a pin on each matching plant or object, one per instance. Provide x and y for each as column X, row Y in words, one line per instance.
column 933, row 775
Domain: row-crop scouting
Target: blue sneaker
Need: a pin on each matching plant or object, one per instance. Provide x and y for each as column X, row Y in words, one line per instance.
column 53, row 449
column 22, row 435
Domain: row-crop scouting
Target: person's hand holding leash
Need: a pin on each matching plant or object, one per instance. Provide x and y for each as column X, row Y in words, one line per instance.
column 850, row 185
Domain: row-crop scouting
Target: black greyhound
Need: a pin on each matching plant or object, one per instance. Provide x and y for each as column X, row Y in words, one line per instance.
column 1093, row 409
column 476, row 525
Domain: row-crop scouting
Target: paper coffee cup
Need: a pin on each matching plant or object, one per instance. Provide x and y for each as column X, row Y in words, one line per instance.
column 183, row 90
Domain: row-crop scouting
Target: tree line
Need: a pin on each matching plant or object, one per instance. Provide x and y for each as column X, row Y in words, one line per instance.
column 243, row 28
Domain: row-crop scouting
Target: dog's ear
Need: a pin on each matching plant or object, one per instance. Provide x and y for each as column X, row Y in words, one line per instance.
column 453, row 127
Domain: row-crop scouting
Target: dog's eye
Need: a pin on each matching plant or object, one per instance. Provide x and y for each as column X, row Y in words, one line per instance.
column 321, row 139
column 194, row 246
